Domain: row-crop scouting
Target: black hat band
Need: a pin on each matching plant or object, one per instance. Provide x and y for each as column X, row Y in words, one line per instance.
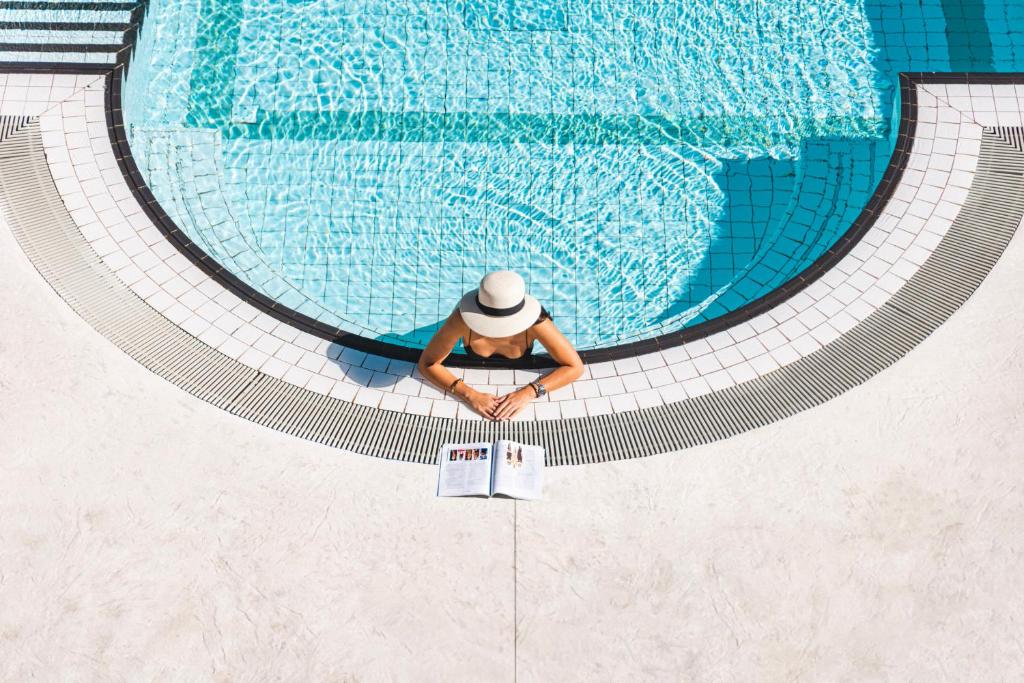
column 500, row 312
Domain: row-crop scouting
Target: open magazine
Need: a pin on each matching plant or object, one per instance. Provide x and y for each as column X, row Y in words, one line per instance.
column 502, row 468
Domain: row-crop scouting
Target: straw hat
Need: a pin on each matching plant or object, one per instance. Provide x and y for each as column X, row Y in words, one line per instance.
column 500, row 307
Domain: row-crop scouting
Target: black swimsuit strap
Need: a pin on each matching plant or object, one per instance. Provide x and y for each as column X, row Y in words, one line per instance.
column 468, row 341
column 526, row 343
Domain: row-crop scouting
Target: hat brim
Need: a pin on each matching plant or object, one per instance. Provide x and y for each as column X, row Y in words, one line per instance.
column 494, row 326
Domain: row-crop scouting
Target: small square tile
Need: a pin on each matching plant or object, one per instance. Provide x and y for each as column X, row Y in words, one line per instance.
column 719, row 380
column 289, row 354
column 649, row 398
column 275, row 367
column 586, row 388
column 369, row 397
column 636, row 381
column 320, row 384
column 623, row 403
column 547, row 411
column 602, row 370
column 610, row 386
column 418, row 405
column 344, row 391
column 573, row 409
column 297, row 376
column 464, row 412
column 393, row 402
column 444, row 409
column 598, row 406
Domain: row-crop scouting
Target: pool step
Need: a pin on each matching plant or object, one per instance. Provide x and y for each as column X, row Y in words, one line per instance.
column 66, row 32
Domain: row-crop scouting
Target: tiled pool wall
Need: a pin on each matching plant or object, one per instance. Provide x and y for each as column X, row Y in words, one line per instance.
column 774, row 215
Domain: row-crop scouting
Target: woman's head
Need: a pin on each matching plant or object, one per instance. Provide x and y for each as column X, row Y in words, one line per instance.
column 500, row 307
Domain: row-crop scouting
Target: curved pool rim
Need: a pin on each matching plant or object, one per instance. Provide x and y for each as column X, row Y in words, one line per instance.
column 825, row 262
column 946, row 279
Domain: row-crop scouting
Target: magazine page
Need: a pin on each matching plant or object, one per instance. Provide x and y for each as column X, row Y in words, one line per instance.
column 518, row 470
column 465, row 470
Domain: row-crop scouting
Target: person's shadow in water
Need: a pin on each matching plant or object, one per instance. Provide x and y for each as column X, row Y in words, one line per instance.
column 379, row 372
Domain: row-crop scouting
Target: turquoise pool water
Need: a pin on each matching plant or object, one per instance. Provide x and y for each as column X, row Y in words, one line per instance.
column 645, row 165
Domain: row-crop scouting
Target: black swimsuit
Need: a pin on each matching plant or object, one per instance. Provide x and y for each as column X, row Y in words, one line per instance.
column 544, row 315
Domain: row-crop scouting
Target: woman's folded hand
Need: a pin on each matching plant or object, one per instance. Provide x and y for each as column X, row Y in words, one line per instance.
column 509, row 405
column 482, row 403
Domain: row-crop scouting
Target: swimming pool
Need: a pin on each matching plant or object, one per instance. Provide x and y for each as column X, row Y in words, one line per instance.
column 645, row 166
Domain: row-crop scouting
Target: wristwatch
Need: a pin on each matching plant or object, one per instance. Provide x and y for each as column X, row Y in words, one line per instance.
column 539, row 388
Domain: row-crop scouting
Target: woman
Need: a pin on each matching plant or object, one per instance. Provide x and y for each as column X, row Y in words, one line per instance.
column 500, row 320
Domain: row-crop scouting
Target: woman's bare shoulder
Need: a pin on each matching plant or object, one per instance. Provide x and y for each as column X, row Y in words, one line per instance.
column 544, row 329
column 454, row 327
column 445, row 339
column 456, row 322
column 543, row 323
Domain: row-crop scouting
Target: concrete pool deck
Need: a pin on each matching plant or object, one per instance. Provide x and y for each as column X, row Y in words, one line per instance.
column 877, row 536
column 145, row 533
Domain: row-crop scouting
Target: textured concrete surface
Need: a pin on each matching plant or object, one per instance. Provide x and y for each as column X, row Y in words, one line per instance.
column 145, row 534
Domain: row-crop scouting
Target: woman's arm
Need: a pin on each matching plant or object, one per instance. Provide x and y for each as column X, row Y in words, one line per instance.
column 569, row 370
column 431, row 366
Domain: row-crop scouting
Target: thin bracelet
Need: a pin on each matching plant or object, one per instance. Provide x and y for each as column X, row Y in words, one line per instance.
column 451, row 387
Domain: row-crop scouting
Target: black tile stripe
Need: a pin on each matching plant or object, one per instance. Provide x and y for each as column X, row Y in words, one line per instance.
column 73, row 68
column 62, row 26
column 59, row 47
column 68, row 6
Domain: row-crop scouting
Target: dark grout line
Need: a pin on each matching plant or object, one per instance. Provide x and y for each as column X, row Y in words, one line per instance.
column 75, row 68
column 58, row 47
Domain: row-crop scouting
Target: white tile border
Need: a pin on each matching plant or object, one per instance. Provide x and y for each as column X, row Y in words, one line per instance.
column 71, row 111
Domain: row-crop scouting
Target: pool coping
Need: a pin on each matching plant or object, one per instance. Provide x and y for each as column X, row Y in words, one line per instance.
column 956, row 267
